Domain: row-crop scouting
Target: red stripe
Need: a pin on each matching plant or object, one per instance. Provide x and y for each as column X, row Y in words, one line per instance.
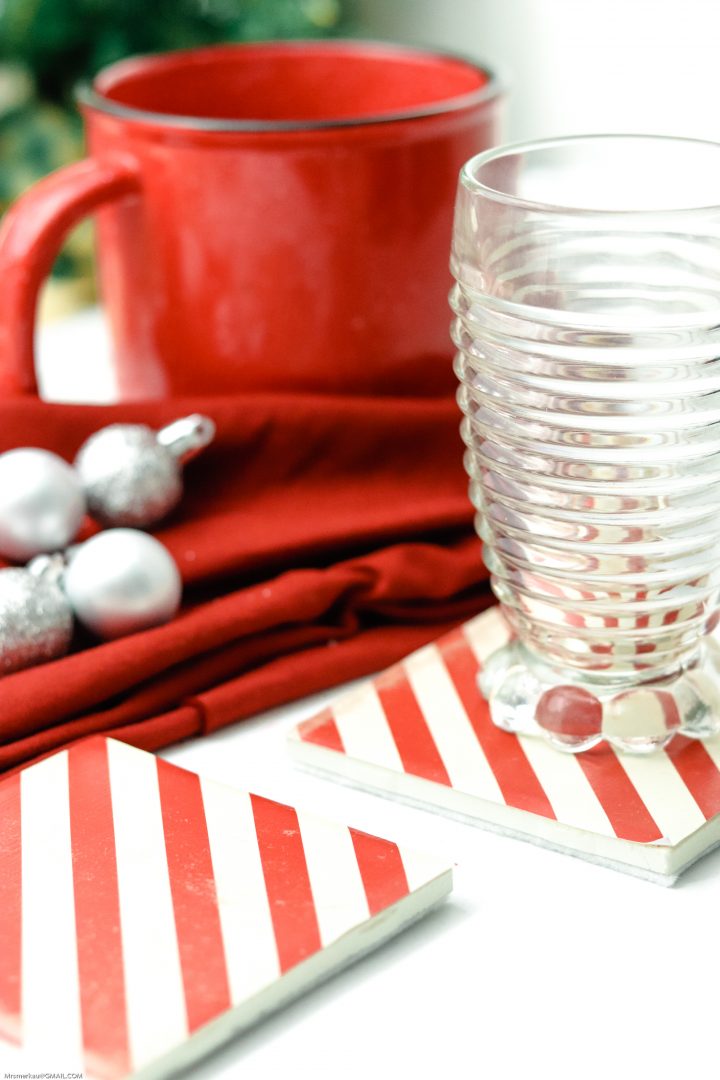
column 516, row 778
column 192, row 884
column 671, row 713
column 322, row 730
column 642, row 621
column 292, row 907
column 698, row 772
column 627, row 813
column 381, row 870
column 10, row 908
column 415, row 744
column 97, row 911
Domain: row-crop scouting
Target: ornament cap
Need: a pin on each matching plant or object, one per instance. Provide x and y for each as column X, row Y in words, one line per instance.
column 186, row 437
column 48, row 567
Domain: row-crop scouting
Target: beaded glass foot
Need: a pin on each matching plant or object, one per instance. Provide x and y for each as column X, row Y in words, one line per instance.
column 527, row 696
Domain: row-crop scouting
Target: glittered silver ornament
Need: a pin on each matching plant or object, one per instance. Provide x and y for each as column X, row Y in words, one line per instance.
column 122, row 581
column 36, row 620
column 41, row 503
column 132, row 475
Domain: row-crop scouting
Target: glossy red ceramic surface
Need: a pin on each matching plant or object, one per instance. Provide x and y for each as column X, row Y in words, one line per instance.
column 273, row 216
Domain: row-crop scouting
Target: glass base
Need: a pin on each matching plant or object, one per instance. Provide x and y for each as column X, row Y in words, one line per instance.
column 529, row 697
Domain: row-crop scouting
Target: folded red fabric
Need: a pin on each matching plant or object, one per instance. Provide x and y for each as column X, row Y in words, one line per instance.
column 319, row 539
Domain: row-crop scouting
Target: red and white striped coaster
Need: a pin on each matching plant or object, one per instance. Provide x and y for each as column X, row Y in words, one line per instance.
column 147, row 915
column 421, row 732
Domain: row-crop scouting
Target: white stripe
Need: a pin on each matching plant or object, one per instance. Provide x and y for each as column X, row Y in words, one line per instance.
column 337, row 887
column 421, row 867
column 487, row 633
column 50, row 983
column 250, row 949
column 364, row 730
column 570, row 792
column 449, row 725
column 156, row 1011
column 662, row 789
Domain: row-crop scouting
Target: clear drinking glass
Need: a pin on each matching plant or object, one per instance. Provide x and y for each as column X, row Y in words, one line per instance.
column 587, row 324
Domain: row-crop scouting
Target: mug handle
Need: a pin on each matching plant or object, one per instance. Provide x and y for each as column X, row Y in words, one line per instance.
column 31, row 234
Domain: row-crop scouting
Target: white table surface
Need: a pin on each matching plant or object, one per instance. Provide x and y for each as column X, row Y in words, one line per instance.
column 538, row 965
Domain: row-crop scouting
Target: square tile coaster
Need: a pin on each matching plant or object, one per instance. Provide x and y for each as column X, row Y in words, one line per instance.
column 421, row 733
column 147, row 915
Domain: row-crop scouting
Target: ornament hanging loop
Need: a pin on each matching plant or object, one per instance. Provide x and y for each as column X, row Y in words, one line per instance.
column 186, row 437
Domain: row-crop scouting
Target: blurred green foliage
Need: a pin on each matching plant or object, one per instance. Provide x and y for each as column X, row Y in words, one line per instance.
column 48, row 46
column 62, row 41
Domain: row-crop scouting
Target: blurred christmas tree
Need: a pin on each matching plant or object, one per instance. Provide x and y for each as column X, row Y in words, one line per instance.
column 48, row 46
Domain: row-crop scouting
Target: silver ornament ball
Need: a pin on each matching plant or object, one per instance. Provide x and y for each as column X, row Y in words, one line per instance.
column 132, row 475
column 41, row 503
column 122, row 581
column 36, row 620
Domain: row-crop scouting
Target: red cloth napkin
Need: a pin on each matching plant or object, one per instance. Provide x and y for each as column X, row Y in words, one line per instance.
column 319, row 539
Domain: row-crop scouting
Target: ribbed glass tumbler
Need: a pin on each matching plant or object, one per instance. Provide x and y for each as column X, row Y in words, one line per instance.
column 587, row 323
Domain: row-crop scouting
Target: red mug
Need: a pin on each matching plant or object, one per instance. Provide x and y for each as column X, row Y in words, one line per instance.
column 270, row 216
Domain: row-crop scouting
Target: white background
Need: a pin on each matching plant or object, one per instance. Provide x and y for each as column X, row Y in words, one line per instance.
column 579, row 65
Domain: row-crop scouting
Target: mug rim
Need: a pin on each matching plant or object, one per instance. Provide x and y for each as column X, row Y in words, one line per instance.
column 91, row 95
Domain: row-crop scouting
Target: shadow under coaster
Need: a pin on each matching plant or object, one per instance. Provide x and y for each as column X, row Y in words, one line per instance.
column 421, row 733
